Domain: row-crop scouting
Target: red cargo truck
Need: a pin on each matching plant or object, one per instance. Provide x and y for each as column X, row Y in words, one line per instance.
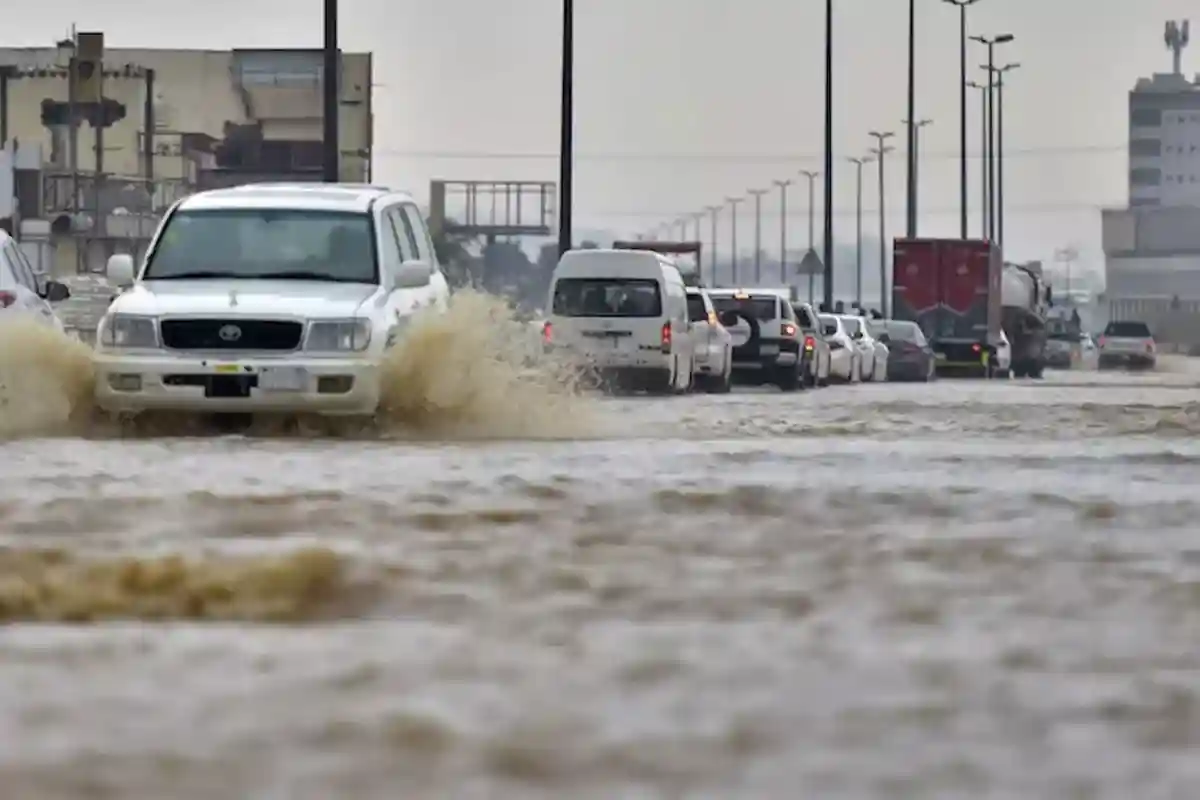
column 951, row 289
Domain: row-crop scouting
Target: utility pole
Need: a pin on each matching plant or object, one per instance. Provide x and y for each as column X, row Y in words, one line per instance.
column 783, row 223
column 962, row 25
column 566, row 147
column 733, row 251
column 827, row 282
column 330, row 96
column 712, row 256
column 757, row 194
column 989, row 159
column 811, row 176
column 880, row 152
column 999, row 73
column 915, row 192
column 858, row 232
column 985, row 192
column 911, row 162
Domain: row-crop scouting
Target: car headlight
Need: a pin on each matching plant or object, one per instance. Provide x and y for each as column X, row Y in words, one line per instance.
column 338, row 336
column 128, row 330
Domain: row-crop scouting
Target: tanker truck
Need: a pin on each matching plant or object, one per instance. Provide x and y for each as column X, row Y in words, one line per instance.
column 1024, row 302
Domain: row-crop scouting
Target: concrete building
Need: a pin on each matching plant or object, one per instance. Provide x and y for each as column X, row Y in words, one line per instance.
column 184, row 120
column 1152, row 247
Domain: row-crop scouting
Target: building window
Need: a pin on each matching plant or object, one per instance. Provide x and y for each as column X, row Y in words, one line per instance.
column 1146, row 117
column 1145, row 176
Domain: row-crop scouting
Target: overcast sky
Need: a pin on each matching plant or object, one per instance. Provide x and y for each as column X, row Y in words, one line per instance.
column 682, row 103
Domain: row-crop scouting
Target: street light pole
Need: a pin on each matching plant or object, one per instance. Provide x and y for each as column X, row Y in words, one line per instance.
column 332, row 156
column 566, row 155
column 827, row 282
column 757, row 194
column 911, row 162
column 962, row 24
column 858, row 220
column 914, row 201
column 712, row 256
column 880, row 152
column 999, row 72
column 985, row 191
column 990, row 159
column 733, row 251
column 783, row 223
column 812, row 207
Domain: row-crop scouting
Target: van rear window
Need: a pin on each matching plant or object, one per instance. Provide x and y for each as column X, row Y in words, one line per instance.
column 759, row 308
column 1131, row 330
column 607, row 297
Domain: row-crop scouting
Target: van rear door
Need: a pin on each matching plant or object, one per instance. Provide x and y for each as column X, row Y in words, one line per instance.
column 609, row 316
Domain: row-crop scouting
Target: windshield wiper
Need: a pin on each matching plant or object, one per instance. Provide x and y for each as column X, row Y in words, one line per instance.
column 301, row 275
column 197, row 275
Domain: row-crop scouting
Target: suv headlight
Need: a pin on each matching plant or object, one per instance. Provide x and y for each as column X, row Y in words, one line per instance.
column 338, row 336
column 128, row 330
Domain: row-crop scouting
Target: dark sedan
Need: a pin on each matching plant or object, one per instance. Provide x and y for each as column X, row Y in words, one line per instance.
column 910, row 358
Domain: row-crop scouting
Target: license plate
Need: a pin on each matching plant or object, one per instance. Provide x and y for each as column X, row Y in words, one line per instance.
column 227, row 369
column 939, row 356
column 769, row 349
column 283, row 379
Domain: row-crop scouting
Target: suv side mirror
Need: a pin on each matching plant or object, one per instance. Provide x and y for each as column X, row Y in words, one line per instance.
column 410, row 275
column 56, row 292
column 728, row 318
column 120, row 269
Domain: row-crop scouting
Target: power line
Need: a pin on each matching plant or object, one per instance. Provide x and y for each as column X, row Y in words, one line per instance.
column 1037, row 208
column 734, row 158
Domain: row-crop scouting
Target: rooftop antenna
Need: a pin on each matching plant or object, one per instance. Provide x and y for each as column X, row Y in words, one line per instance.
column 1176, row 38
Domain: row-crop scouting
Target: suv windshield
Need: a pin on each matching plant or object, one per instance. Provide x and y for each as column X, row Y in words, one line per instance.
column 260, row 243
column 607, row 297
column 759, row 308
column 1131, row 330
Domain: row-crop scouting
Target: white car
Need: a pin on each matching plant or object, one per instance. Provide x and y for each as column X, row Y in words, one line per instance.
column 714, row 344
column 267, row 298
column 845, row 359
column 1003, row 366
column 23, row 291
column 873, row 361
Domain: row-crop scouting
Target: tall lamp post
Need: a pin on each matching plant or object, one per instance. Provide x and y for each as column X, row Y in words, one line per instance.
column 911, row 161
column 812, row 207
column 985, row 189
column 858, row 208
column 783, row 223
column 733, row 202
column 880, row 152
column 999, row 73
column 757, row 194
column 962, row 25
column 827, row 282
column 330, row 100
column 989, row 157
column 915, row 192
column 712, row 256
column 566, row 155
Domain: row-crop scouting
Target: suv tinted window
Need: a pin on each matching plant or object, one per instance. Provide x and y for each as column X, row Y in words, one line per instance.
column 1132, row 330
column 805, row 318
column 696, row 312
column 764, row 309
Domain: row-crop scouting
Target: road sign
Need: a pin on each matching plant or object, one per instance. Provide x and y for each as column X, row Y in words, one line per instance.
column 810, row 264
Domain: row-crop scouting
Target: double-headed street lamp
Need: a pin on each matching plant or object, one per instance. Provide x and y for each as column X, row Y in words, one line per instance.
column 998, row 74
column 733, row 202
column 880, row 152
column 989, row 157
column 915, row 188
column 812, row 175
column 858, row 209
column 962, row 24
column 783, row 220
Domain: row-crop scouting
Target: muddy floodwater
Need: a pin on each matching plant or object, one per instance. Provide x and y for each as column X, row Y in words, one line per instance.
column 955, row 590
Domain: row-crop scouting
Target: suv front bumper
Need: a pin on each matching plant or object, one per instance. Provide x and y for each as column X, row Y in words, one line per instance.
column 160, row 381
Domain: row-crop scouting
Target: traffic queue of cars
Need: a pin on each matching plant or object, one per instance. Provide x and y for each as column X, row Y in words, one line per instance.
column 628, row 318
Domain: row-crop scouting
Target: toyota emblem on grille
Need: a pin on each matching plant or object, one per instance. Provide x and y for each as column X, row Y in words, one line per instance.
column 230, row 333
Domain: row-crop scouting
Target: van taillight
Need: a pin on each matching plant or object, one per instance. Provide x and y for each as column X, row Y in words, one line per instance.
column 666, row 337
column 7, row 299
column 547, row 333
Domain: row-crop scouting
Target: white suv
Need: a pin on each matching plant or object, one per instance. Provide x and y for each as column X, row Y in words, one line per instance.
column 267, row 297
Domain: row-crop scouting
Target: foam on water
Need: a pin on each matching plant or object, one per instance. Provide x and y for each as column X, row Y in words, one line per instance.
column 472, row 372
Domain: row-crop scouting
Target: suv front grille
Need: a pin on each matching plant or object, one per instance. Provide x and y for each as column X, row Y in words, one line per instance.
column 231, row 334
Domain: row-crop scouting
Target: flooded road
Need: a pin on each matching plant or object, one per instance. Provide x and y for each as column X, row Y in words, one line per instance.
column 956, row 590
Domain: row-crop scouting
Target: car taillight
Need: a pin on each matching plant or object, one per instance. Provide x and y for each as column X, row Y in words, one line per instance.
column 976, row 347
column 666, row 337
column 1149, row 345
column 809, row 343
column 788, row 329
column 7, row 299
column 547, row 333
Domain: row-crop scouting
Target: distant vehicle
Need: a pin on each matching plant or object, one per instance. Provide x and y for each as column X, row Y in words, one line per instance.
column 846, row 358
column 872, row 354
column 1129, row 344
column 267, row 298
column 1003, row 366
column 714, row 344
column 910, row 358
column 624, row 314
column 766, row 336
column 816, row 354
column 25, row 292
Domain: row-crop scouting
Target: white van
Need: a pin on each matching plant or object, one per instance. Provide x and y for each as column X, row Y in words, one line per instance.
column 623, row 312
